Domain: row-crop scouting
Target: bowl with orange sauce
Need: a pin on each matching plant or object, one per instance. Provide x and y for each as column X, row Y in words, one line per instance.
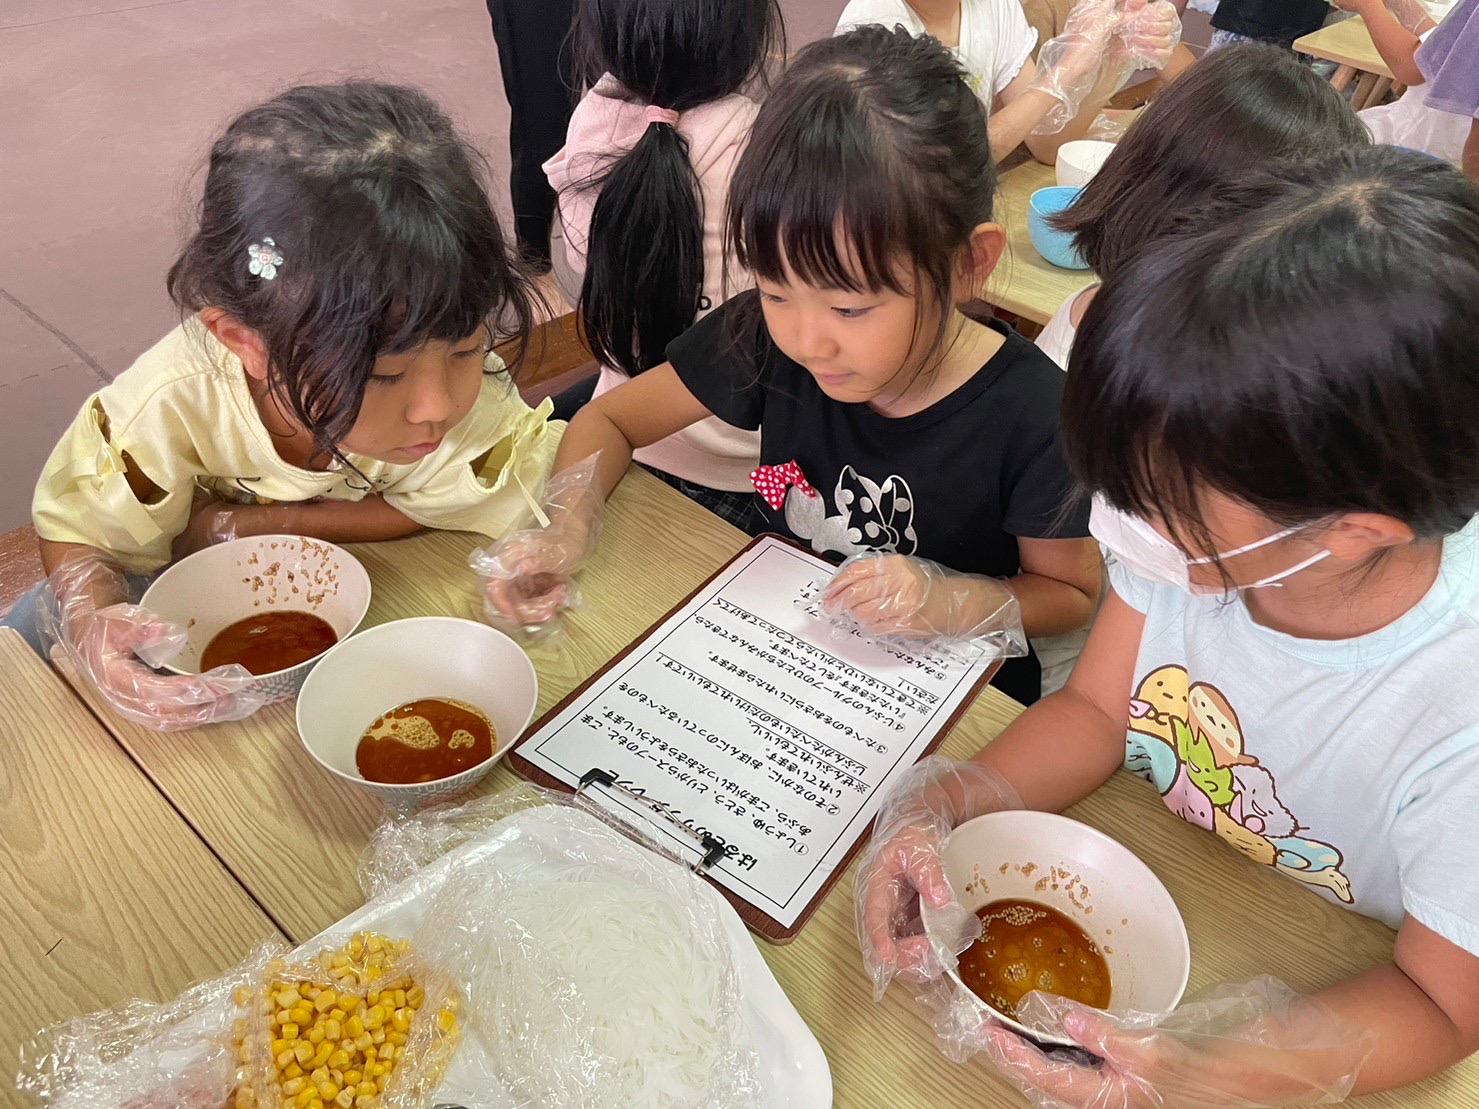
column 273, row 603
column 417, row 710
column 1065, row 909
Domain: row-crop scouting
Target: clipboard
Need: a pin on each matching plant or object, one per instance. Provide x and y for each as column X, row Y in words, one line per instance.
column 650, row 808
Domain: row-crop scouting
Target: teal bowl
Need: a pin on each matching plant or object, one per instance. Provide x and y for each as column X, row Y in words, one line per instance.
column 1055, row 246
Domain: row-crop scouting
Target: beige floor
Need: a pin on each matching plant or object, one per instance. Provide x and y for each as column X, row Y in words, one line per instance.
column 106, row 110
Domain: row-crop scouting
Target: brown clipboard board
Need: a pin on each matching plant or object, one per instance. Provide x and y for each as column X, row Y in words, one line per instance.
column 755, row 919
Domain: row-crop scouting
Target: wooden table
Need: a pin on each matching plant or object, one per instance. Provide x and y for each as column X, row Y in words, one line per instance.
column 1024, row 283
column 1348, row 44
column 108, row 894
column 294, row 835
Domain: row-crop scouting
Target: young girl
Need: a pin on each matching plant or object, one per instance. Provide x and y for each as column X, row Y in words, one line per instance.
column 1235, row 109
column 889, row 422
column 332, row 378
column 1288, row 647
column 642, row 180
column 1062, row 91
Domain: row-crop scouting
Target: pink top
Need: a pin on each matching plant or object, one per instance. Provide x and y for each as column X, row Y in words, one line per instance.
column 711, row 452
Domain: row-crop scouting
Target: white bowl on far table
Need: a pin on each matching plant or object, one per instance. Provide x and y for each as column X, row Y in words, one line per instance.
column 1080, row 160
column 442, row 657
column 1115, row 899
column 216, row 587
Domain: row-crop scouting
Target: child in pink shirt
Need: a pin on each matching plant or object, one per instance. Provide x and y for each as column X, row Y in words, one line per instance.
column 642, row 182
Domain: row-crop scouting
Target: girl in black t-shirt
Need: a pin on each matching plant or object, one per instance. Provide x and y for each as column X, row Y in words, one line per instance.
column 891, row 425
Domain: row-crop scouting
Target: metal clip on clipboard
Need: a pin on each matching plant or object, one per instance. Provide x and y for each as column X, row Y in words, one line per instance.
column 709, row 849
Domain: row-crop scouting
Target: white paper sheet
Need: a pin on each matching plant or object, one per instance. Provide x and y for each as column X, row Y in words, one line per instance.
column 745, row 717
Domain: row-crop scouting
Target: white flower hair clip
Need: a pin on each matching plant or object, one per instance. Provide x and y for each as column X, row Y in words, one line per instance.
column 265, row 258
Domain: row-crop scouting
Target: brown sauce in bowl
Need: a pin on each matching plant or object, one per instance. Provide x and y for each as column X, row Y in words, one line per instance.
column 269, row 641
column 1025, row 946
column 424, row 741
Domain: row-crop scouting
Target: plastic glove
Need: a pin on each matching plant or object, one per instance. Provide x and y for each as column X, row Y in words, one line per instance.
column 901, row 867
column 115, row 648
column 530, row 573
column 1236, row 1046
column 920, row 603
column 211, row 522
column 1102, row 43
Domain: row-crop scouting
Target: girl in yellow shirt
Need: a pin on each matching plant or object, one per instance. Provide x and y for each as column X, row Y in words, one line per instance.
column 333, row 377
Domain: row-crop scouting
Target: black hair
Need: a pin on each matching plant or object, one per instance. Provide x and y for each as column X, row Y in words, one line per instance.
column 1307, row 345
column 871, row 152
column 387, row 237
column 644, row 273
column 1234, row 109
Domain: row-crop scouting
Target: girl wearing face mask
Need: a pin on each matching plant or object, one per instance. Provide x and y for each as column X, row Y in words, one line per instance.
column 1285, row 467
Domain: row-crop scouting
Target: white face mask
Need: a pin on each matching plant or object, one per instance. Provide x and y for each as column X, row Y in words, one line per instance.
column 1147, row 553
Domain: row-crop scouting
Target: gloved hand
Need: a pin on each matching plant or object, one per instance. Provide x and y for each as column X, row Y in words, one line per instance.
column 901, row 868
column 529, row 574
column 1237, row 1046
column 920, row 603
column 1102, row 43
column 115, row 647
column 211, row 522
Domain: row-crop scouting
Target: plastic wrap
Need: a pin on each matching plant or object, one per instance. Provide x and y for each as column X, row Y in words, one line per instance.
column 529, row 574
column 221, row 1044
column 1236, row 1046
column 913, row 604
column 541, row 932
column 1103, row 42
column 178, row 1054
column 591, row 972
column 115, row 647
column 901, row 866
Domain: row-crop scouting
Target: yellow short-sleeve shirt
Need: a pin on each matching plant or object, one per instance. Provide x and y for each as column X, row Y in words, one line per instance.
column 185, row 418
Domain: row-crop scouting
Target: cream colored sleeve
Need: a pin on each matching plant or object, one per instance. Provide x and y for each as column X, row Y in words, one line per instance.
column 83, row 495
column 443, row 491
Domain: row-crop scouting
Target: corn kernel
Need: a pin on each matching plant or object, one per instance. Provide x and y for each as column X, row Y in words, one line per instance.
column 345, row 1099
column 446, row 1020
column 303, row 1015
column 415, row 996
column 400, row 1020
column 365, row 1089
column 378, row 1035
column 293, row 1086
column 333, row 1030
column 316, row 1034
column 352, row 1077
column 290, row 1031
column 338, row 1058
column 325, row 1000
column 400, row 999
column 320, row 1074
column 354, row 1027
column 305, row 1095
column 284, row 1057
column 363, row 1041
column 302, row 1052
column 292, row 1070
column 338, row 1013
column 397, row 1038
column 288, row 998
column 327, row 1090
column 380, row 1080
column 323, row 1054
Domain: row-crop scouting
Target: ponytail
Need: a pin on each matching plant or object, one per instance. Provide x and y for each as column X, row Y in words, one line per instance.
column 644, row 273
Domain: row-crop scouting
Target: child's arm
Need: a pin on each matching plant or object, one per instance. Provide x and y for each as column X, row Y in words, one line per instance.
column 1395, row 43
column 1383, row 1028
column 529, row 573
column 369, row 520
column 638, row 413
column 1059, row 585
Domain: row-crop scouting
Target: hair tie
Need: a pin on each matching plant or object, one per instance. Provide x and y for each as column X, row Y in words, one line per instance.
column 263, row 259
column 654, row 114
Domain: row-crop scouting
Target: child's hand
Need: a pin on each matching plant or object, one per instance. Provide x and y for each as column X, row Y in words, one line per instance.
column 116, row 646
column 211, row 522
column 1148, row 33
column 918, row 600
column 902, row 867
column 1244, row 1044
column 530, row 574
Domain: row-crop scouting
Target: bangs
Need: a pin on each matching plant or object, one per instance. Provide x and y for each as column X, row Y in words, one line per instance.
column 816, row 199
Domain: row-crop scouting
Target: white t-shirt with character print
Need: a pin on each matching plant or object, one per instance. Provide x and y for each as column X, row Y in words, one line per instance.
column 1351, row 766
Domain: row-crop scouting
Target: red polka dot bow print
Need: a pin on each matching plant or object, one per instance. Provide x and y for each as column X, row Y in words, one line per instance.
column 771, row 482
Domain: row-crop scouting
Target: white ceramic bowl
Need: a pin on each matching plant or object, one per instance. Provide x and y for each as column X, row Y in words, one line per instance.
column 407, row 660
column 1079, row 160
column 1115, row 899
column 216, row 587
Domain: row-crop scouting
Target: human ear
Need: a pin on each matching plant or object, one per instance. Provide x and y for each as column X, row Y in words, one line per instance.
column 239, row 339
column 1356, row 535
column 977, row 261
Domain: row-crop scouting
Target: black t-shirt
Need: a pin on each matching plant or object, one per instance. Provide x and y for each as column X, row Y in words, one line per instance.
column 957, row 483
column 1277, row 21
